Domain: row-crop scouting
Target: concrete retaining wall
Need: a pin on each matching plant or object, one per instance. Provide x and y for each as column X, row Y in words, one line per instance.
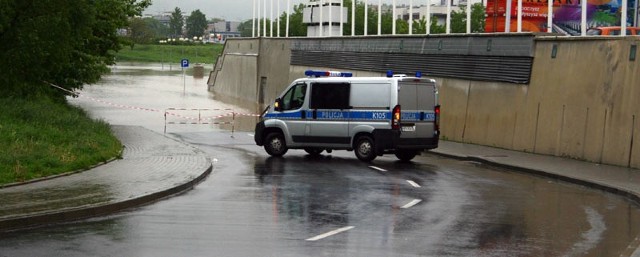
column 252, row 69
column 581, row 104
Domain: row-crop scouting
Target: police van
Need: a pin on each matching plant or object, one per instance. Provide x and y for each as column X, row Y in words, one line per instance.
column 371, row 116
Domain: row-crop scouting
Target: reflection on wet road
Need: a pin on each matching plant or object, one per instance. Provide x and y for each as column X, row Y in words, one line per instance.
column 331, row 205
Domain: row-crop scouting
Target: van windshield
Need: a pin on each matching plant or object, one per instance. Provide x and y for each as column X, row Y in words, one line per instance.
column 294, row 98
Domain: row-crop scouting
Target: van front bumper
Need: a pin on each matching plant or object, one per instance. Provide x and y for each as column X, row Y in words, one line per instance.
column 258, row 134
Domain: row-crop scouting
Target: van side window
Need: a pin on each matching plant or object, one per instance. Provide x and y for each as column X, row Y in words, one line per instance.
column 294, row 98
column 330, row 95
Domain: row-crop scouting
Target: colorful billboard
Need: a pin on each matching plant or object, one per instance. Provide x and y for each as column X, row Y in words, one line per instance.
column 566, row 15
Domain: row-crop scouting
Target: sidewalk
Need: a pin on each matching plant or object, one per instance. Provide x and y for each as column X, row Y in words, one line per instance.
column 153, row 166
column 618, row 180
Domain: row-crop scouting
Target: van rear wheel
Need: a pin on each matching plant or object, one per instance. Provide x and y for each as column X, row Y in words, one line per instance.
column 275, row 144
column 364, row 149
column 406, row 155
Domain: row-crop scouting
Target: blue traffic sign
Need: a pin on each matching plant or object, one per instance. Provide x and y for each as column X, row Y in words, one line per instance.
column 185, row 63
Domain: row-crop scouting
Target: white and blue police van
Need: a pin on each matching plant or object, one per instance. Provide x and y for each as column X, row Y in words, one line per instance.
column 372, row 116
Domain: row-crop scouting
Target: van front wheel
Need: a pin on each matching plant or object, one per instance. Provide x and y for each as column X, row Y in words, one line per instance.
column 364, row 149
column 275, row 144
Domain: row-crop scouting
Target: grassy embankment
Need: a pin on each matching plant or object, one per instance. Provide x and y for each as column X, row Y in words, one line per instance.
column 199, row 53
column 40, row 137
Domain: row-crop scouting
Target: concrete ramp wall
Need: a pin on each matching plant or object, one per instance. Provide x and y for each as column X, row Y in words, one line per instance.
column 582, row 101
column 251, row 69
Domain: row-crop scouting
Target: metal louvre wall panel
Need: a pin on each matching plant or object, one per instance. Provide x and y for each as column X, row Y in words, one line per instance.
column 511, row 69
column 508, row 45
column 505, row 58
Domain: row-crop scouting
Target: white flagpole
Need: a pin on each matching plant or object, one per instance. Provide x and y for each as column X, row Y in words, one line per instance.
column 623, row 19
column 341, row 18
column 468, row 16
column 366, row 18
column 320, row 32
column 253, row 19
column 550, row 16
column 278, row 17
column 410, row 17
column 393, row 20
column 379, row 17
column 448, row 28
column 507, row 20
column 428, row 30
column 330, row 18
column 288, row 14
column 264, row 17
column 258, row 18
column 271, row 18
column 519, row 15
column 583, row 22
column 353, row 17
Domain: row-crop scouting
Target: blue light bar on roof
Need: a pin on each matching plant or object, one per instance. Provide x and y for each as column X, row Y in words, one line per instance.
column 389, row 74
column 316, row 73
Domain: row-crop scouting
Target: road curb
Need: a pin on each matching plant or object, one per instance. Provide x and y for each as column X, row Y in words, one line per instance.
column 83, row 212
column 598, row 185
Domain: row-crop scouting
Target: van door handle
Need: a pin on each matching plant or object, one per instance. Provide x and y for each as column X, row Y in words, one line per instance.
column 303, row 114
column 315, row 114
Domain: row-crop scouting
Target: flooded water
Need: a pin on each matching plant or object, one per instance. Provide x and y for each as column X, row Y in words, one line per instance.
column 164, row 99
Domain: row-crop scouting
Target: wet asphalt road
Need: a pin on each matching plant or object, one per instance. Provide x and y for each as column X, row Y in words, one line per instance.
column 254, row 205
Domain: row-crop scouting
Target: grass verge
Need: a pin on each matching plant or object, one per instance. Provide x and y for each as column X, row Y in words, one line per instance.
column 201, row 53
column 40, row 137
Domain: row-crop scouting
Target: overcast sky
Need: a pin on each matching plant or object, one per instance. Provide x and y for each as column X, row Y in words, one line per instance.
column 231, row 10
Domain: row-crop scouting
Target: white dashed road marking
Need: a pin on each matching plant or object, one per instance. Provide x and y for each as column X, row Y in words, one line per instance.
column 411, row 204
column 331, row 233
column 376, row 168
column 414, row 184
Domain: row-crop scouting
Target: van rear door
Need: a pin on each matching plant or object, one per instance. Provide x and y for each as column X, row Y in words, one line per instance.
column 417, row 99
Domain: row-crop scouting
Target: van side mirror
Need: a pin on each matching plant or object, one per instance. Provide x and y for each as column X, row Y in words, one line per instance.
column 277, row 106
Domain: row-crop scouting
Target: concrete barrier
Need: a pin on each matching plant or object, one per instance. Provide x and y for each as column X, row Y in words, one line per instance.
column 581, row 102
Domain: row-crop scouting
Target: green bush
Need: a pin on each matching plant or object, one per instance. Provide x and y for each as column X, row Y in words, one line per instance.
column 41, row 137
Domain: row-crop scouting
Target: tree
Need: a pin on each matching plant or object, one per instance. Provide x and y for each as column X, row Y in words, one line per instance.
column 245, row 28
column 420, row 26
column 159, row 30
column 215, row 20
column 65, row 42
column 402, row 26
column 196, row 24
column 436, row 28
column 176, row 22
column 140, row 32
column 296, row 27
column 477, row 18
column 459, row 19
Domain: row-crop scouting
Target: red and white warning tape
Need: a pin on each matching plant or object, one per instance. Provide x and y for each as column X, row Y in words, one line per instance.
column 206, row 120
